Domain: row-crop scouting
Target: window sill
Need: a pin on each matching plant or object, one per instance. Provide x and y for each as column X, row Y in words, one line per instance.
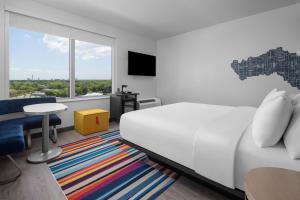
column 82, row 99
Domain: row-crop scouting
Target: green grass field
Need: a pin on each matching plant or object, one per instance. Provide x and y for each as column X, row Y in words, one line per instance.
column 58, row 88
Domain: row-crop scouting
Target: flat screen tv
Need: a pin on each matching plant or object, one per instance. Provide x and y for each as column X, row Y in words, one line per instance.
column 141, row 64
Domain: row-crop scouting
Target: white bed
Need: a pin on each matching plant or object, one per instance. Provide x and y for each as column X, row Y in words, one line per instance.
column 169, row 130
column 250, row 156
column 214, row 141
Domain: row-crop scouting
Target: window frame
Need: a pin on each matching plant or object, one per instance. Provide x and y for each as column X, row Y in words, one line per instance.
column 72, row 64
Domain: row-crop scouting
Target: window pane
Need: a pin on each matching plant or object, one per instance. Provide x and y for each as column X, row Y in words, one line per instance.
column 38, row 64
column 92, row 69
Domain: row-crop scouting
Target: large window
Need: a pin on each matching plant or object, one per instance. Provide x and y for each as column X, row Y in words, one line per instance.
column 92, row 69
column 47, row 59
column 38, row 64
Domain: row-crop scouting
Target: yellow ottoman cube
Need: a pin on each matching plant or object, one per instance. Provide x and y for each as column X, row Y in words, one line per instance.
column 91, row 121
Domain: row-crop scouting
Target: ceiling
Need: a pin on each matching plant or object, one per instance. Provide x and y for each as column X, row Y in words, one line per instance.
column 158, row 19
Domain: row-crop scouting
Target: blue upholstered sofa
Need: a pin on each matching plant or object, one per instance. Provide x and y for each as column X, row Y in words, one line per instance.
column 11, row 141
column 13, row 106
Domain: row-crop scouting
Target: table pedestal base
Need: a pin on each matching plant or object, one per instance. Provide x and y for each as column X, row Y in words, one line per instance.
column 39, row 157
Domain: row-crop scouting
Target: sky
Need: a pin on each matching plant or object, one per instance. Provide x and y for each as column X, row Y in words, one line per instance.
column 45, row 57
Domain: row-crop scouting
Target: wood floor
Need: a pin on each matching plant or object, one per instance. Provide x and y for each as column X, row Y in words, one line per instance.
column 37, row 182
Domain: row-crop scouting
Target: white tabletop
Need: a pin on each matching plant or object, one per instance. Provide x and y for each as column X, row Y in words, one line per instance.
column 44, row 108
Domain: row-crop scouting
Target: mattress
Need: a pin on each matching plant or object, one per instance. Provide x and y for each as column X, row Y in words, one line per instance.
column 250, row 156
column 169, row 130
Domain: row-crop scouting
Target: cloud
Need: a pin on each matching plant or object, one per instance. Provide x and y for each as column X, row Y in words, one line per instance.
column 83, row 50
column 15, row 68
column 57, row 43
column 27, row 36
column 88, row 51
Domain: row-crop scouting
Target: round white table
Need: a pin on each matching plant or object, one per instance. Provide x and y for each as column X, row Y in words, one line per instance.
column 44, row 109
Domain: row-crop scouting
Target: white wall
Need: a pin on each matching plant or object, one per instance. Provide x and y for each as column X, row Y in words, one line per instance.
column 195, row 66
column 125, row 41
column 68, row 116
column 2, row 62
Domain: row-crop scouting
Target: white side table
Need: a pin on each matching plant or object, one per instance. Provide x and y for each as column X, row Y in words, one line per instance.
column 44, row 109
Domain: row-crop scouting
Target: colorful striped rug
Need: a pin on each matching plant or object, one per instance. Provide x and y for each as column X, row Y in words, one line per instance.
column 103, row 167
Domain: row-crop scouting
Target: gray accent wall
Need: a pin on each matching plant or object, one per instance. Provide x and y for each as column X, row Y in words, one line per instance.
column 196, row 66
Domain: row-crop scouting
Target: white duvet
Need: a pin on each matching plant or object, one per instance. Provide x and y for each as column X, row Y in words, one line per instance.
column 216, row 143
column 201, row 137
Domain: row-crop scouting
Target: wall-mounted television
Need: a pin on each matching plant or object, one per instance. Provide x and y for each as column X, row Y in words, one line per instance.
column 141, row 64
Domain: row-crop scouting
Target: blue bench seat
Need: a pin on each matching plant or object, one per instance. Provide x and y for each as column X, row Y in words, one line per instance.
column 11, row 139
column 10, row 106
column 32, row 122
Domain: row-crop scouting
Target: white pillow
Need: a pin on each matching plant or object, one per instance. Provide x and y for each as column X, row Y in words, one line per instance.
column 295, row 99
column 274, row 94
column 271, row 119
column 270, row 94
column 291, row 137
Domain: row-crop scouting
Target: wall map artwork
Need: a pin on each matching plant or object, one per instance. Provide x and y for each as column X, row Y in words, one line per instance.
column 278, row 61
